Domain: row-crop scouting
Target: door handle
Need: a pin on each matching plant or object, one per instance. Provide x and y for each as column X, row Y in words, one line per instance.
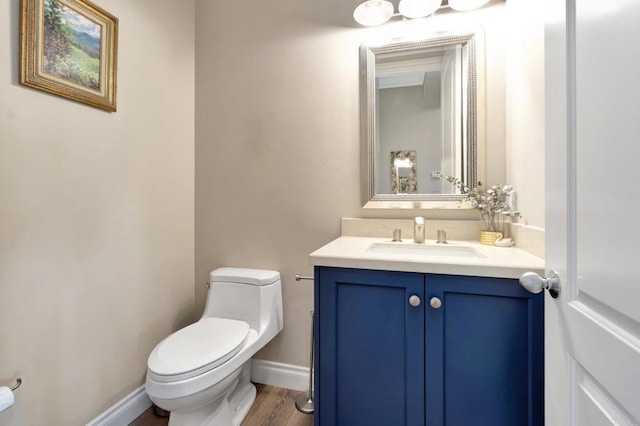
column 534, row 283
column 414, row 301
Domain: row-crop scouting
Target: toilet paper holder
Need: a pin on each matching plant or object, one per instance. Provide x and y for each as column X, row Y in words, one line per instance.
column 18, row 383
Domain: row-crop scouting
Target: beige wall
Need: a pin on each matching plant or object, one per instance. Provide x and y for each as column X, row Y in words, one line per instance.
column 525, row 108
column 96, row 220
column 277, row 138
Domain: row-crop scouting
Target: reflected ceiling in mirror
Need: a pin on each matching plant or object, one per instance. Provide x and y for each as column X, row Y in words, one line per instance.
column 422, row 97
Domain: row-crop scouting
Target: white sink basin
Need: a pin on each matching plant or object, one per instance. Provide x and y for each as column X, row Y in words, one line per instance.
column 442, row 250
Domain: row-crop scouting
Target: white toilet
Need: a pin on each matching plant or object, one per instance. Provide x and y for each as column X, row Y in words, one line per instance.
column 201, row 373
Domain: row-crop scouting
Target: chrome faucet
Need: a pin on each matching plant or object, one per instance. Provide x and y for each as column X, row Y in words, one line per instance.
column 418, row 230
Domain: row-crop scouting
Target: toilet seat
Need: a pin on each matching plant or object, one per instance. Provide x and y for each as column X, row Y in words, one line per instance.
column 197, row 348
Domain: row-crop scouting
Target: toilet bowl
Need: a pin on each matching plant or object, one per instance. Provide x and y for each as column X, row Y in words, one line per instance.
column 201, row 373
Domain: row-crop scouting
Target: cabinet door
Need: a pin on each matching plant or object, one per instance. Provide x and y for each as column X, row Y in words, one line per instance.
column 370, row 366
column 485, row 353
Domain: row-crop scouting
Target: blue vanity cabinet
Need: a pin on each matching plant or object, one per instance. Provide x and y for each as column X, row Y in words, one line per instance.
column 475, row 356
column 484, row 353
column 370, row 348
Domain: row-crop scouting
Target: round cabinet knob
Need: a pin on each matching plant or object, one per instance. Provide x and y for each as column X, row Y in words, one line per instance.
column 435, row 303
column 414, row 300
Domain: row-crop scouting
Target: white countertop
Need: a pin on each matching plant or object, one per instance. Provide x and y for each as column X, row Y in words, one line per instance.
column 498, row 262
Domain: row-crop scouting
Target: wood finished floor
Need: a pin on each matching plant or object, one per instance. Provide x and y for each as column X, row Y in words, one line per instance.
column 273, row 407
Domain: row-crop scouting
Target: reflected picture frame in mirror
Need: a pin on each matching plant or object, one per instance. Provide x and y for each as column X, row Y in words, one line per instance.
column 468, row 145
column 404, row 174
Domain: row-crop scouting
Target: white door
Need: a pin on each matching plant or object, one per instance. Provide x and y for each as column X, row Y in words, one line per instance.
column 592, row 206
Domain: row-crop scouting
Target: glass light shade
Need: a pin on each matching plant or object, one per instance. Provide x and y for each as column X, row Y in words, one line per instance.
column 414, row 9
column 464, row 5
column 373, row 12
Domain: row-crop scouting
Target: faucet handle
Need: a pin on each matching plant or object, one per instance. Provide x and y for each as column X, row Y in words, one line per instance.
column 442, row 236
column 418, row 220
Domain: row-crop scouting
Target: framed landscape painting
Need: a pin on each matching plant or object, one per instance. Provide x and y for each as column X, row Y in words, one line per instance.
column 69, row 48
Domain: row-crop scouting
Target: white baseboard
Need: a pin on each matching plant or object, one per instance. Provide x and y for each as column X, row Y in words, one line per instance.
column 266, row 372
column 124, row 411
column 281, row 375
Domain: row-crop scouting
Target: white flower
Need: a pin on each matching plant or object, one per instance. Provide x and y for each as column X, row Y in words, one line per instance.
column 490, row 204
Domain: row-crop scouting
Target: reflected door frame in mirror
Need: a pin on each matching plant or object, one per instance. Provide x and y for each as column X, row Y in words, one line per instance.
column 473, row 119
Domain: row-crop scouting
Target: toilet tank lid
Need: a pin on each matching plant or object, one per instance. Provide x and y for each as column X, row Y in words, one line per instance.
column 245, row 276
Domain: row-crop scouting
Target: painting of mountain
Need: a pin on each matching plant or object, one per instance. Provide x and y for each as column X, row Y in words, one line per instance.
column 69, row 48
column 72, row 45
column 88, row 43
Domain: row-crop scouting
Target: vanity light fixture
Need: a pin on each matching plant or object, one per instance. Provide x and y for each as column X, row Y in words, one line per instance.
column 376, row 12
column 415, row 9
column 373, row 12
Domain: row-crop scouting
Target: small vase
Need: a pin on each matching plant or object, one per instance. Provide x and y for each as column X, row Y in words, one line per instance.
column 489, row 237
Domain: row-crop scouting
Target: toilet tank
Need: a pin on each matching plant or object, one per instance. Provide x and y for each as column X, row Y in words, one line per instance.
column 251, row 295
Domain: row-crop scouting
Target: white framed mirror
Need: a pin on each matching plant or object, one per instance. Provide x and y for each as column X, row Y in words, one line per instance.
column 423, row 97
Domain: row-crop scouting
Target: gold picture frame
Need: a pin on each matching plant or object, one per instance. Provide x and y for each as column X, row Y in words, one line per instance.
column 69, row 48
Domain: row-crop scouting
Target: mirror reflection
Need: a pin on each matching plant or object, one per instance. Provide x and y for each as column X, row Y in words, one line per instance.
column 404, row 172
column 421, row 102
